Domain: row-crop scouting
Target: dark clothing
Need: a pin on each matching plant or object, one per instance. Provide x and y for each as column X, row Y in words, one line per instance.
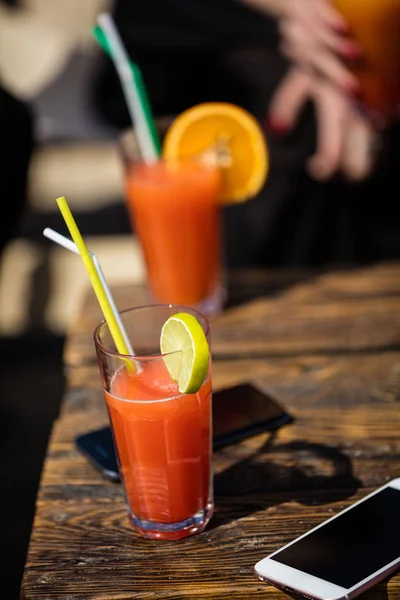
column 16, row 147
column 188, row 24
column 189, row 51
column 299, row 221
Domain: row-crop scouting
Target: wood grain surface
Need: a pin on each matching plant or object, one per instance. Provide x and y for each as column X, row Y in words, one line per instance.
column 327, row 345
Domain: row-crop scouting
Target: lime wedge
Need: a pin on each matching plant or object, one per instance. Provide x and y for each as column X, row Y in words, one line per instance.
column 188, row 367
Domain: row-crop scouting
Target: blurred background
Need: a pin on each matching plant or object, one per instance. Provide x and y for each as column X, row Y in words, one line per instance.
column 61, row 113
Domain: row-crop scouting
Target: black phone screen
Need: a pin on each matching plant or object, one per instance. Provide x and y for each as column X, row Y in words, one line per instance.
column 244, row 410
column 238, row 412
column 352, row 546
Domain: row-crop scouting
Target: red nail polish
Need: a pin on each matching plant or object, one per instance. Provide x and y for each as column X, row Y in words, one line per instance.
column 352, row 52
column 275, row 126
column 353, row 89
column 340, row 27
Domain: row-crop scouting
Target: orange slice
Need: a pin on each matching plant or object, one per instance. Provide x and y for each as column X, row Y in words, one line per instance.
column 228, row 136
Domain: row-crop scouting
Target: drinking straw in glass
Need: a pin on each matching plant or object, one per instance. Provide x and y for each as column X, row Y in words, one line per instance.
column 61, row 240
column 102, row 40
column 94, row 277
column 133, row 98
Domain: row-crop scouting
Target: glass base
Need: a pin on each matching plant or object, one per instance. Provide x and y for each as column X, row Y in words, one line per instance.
column 213, row 304
column 172, row 531
column 209, row 306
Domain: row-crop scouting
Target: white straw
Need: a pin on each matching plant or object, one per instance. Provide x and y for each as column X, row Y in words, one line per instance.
column 60, row 239
column 70, row 245
column 120, row 59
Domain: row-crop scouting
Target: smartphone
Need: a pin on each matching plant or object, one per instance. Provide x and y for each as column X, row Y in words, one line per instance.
column 98, row 447
column 238, row 413
column 343, row 556
column 242, row 411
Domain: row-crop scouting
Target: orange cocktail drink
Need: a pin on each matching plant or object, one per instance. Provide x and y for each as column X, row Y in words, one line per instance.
column 162, row 437
column 175, row 210
column 375, row 24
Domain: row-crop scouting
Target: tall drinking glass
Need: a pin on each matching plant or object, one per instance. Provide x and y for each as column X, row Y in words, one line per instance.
column 175, row 211
column 162, row 437
column 375, row 24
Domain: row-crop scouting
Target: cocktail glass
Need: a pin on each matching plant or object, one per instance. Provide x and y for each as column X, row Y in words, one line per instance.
column 375, row 25
column 163, row 439
column 175, row 211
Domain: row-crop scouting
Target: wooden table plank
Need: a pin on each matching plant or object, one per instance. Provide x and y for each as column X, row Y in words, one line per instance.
column 341, row 383
column 339, row 312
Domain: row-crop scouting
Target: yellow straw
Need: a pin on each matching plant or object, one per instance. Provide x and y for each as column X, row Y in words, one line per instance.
column 94, row 278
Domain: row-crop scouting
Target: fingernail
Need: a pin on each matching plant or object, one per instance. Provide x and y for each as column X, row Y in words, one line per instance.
column 351, row 51
column 353, row 88
column 276, row 127
column 340, row 26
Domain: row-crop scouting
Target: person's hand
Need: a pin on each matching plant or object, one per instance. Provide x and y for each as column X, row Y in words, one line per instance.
column 314, row 39
column 314, row 35
column 345, row 137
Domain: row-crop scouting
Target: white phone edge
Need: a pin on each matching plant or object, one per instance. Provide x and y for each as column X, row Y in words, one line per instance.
column 294, row 581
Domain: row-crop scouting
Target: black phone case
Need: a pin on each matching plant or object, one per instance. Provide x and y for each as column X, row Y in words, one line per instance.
column 98, row 447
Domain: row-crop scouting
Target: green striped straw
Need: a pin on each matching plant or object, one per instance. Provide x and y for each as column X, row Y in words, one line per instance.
column 133, row 87
column 101, row 39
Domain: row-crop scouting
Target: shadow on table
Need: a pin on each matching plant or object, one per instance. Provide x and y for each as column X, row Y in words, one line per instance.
column 307, row 473
column 380, row 591
column 244, row 285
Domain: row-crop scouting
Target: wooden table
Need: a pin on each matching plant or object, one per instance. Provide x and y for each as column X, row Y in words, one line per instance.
column 328, row 347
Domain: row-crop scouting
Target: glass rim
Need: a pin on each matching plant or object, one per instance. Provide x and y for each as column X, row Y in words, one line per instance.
column 132, row 161
column 124, row 147
column 146, row 357
column 146, row 401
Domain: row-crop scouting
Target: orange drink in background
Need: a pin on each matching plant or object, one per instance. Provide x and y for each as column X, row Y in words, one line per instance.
column 175, row 211
column 375, row 25
column 162, row 436
column 213, row 154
